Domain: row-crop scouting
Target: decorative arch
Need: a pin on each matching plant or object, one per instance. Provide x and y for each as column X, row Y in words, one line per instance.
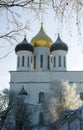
column 41, row 97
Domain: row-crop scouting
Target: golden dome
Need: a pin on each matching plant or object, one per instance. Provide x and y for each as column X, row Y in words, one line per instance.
column 41, row 39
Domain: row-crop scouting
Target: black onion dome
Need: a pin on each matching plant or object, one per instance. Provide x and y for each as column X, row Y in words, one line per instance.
column 24, row 45
column 23, row 92
column 58, row 45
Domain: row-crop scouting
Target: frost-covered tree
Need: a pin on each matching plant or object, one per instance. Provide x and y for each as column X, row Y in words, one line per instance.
column 62, row 97
column 4, row 107
column 4, row 96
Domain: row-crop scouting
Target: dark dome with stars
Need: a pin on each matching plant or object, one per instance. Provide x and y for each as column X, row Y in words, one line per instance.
column 58, row 45
column 24, row 45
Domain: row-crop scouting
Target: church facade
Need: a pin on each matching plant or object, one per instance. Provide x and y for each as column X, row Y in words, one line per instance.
column 38, row 64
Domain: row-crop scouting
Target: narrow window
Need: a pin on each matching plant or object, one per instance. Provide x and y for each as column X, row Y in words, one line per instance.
column 48, row 62
column 28, row 62
column 59, row 61
column 18, row 61
column 22, row 60
column 54, row 61
column 41, row 118
column 41, row 97
column 31, row 58
column 34, row 62
column 41, row 61
column 64, row 62
column 81, row 96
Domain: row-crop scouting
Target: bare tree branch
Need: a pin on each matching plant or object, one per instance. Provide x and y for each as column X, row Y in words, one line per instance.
column 13, row 3
column 64, row 11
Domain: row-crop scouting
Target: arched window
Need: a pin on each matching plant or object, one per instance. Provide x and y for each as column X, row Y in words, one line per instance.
column 41, row 61
column 64, row 62
column 59, row 61
column 28, row 61
column 41, row 118
column 22, row 60
column 48, row 61
column 54, row 61
column 18, row 61
column 41, row 97
column 34, row 62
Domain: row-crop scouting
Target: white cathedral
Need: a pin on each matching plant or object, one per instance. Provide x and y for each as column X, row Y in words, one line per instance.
column 38, row 64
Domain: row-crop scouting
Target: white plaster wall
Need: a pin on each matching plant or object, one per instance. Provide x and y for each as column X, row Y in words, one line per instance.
column 34, row 82
column 42, row 51
column 25, row 54
column 46, row 76
column 39, row 81
column 33, row 90
column 58, row 53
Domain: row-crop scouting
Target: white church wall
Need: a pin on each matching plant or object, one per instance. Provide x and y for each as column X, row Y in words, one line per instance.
column 33, row 90
column 26, row 66
column 46, row 77
column 44, row 51
column 56, row 54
